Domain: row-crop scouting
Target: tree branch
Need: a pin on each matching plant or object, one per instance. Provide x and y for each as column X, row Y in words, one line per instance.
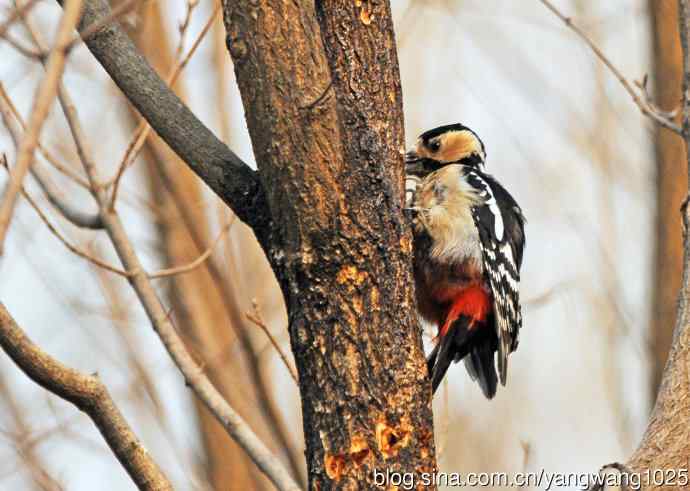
column 72, row 214
column 88, row 394
column 39, row 111
column 645, row 105
column 14, row 15
column 665, row 445
column 218, row 166
column 186, row 268
column 59, row 166
column 192, row 372
column 144, row 129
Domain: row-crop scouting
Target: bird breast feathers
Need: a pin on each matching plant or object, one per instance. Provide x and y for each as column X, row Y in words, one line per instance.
column 444, row 200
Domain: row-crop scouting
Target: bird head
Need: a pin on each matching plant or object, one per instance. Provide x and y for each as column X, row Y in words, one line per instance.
column 449, row 144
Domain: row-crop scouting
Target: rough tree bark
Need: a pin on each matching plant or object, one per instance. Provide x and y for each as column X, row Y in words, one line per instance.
column 670, row 185
column 325, row 119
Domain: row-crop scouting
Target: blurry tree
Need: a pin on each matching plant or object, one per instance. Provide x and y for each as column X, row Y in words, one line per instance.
column 671, row 177
column 660, row 460
column 196, row 300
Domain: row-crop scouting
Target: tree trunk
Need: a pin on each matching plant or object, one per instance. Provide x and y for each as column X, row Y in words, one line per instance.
column 325, row 119
column 662, row 457
column 670, row 185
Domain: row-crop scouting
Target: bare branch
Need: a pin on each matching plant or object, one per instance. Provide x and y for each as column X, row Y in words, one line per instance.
column 77, row 217
column 20, row 48
column 193, row 373
column 256, row 318
column 88, row 394
column 62, row 168
column 198, row 261
column 647, row 108
column 218, row 166
column 74, row 249
column 42, row 102
column 14, row 15
column 144, row 129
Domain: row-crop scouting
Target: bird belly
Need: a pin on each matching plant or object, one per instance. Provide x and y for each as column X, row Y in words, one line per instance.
column 448, row 257
column 440, row 280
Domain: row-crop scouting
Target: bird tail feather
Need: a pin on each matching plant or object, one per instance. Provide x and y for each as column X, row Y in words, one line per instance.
column 451, row 347
column 481, row 367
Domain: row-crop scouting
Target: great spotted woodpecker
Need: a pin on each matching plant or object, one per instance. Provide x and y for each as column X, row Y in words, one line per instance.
column 468, row 243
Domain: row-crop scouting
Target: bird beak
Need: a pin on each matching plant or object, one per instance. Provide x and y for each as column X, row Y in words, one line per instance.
column 414, row 164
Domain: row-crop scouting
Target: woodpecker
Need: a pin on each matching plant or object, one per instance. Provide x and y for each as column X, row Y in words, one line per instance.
column 468, row 243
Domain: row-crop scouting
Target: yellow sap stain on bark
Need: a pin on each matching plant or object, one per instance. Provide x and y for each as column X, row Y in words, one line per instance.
column 334, row 466
column 406, row 244
column 365, row 11
column 352, row 360
column 390, row 439
column 359, row 450
column 350, row 274
column 357, row 304
column 374, row 297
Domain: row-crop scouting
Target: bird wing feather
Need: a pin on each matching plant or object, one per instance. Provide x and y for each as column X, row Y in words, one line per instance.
column 500, row 224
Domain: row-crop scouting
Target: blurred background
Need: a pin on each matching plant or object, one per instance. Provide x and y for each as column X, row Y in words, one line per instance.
column 600, row 187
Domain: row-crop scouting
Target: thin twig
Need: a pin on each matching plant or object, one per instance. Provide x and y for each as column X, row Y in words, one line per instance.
column 76, row 250
column 77, row 217
column 144, row 128
column 645, row 106
column 198, row 261
column 88, row 394
column 21, row 49
column 211, row 159
column 256, row 319
column 184, row 25
column 118, row 312
column 193, row 373
column 62, row 168
column 14, row 15
column 42, row 102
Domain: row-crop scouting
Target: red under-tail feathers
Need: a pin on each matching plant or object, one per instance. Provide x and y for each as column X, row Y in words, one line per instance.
column 466, row 333
column 473, row 302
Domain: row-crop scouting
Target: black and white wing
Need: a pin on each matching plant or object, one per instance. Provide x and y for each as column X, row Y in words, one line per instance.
column 500, row 223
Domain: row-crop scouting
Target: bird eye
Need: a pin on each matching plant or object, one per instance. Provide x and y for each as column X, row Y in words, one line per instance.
column 434, row 145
